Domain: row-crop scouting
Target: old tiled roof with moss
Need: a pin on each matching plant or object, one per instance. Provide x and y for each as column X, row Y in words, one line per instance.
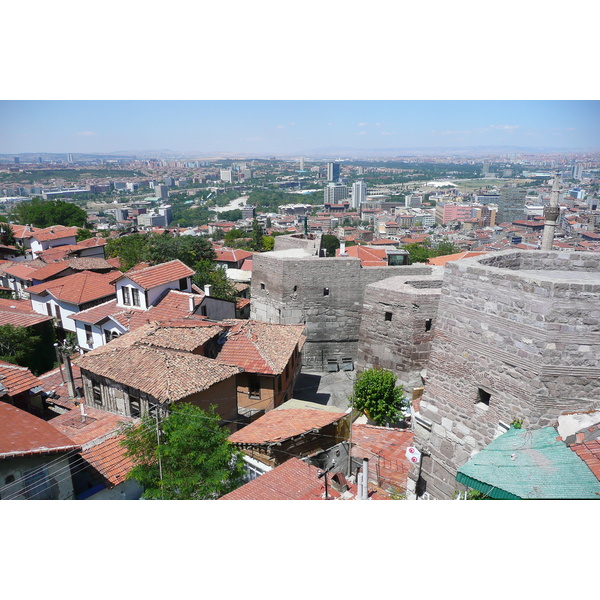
column 19, row 313
column 260, row 347
column 164, row 373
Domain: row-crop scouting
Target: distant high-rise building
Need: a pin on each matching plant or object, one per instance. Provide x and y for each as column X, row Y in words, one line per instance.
column 333, row 172
column 166, row 212
column 17, row 160
column 40, row 159
column 70, row 158
column 169, row 181
column 335, row 193
column 511, row 205
column 577, row 171
column 161, row 191
column 359, row 194
column 302, row 163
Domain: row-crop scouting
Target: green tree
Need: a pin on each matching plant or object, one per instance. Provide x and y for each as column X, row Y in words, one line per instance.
column 330, row 243
column 30, row 347
column 84, row 234
column 193, row 461
column 268, row 243
column 232, row 235
column 208, row 272
column 377, row 395
column 44, row 213
column 7, row 236
column 130, row 249
column 256, row 242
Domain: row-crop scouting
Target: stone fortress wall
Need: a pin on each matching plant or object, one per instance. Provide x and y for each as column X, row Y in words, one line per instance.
column 517, row 336
column 294, row 286
column 397, row 324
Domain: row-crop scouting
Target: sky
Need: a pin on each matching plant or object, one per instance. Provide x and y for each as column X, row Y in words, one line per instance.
column 293, row 127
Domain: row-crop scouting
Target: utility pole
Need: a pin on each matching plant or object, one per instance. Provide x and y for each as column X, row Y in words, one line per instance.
column 158, row 452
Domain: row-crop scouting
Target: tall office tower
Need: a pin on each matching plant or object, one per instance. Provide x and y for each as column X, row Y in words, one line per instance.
column 333, row 172
column 577, row 171
column 302, row 163
column 161, row 191
column 360, row 171
column 486, row 168
column 17, row 160
column 359, row 194
column 70, row 159
column 511, row 205
column 169, row 181
column 166, row 212
column 335, row 193
column 40, row 160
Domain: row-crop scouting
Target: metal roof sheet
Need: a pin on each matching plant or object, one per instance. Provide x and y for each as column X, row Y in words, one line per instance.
column 529, row 464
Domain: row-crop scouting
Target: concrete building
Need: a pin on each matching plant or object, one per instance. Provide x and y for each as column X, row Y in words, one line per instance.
column 359, row 194
column 334, row 193
column 161, row 191
column 226, row 175
column 517, row 336
column 511, row 205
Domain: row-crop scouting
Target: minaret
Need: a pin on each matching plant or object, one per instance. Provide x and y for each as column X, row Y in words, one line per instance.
column 551, row 213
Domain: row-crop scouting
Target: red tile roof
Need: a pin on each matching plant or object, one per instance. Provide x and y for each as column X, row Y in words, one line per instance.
column 260, row 347
column 279, row 425
column 23, row 231
column 56, row 254
column 52, row 381
column 19, row 270
column 19, row 313
column 56, row 232
column 156, row 275
column 24, row 434
column 109, row 459
column 589, row 452
column 167, row 375
column 78, row 288
column 16, row 379
column 98, row 424
column 385, row 448
column 369, row 257
column 442, row 260
column 231, row 255
column 293, row 480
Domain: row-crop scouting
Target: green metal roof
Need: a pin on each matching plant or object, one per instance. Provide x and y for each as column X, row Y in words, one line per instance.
column 532, row 465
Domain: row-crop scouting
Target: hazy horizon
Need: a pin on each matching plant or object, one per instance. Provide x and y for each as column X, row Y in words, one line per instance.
column 295, row 127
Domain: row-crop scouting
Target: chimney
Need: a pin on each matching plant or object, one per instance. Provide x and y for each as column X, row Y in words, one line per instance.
column 69, row 372
column 192, row 305
column 343, row 249
column 365, row 478
column 208, row 289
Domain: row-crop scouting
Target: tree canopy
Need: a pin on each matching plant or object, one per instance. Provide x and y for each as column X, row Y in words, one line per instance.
column 30, row 347
column 376, row 395
column 154, row 249
column 208, row 272
column 45, row 213
column 422, row 252
column 330, row 243
column 193, row 461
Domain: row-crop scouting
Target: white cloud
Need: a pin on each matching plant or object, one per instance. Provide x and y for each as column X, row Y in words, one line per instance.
column 86, row 133
column 362, row 124
column 362, row 133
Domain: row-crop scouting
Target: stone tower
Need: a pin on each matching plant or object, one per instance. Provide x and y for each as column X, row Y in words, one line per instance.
column 517, row 336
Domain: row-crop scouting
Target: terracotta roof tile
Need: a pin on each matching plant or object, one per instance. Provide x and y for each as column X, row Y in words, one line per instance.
column 260, row 347
column 385, row 448
column 16, row 379
column 78, row 288
column 159, row 274
column 278, row 425
column 25, row 434
column 55, row 232
column 109, row 459
column 166, row 374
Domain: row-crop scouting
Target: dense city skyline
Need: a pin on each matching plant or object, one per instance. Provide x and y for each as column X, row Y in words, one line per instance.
column 289, row 127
